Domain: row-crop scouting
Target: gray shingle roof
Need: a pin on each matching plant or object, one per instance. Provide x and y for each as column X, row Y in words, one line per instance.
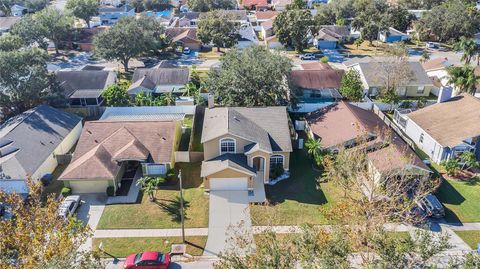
column 7, row 22
column 92, row 83
column 236, row 161
column 162, row 76
column 34, row 135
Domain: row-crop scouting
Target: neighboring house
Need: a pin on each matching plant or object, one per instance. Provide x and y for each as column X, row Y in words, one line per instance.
column 373, row 78
column 280, row 5
column 241, row 145
column 266, row 28
column 83, row 38
column 185, row 37
column 158, row 80
column 344, row 125
column 392, row 36
column 6, row 23
column 188, row 19
column 111, row 14
column 85, row 87
column 329, row 36
column 255, row 4
column 115, row 3
column 437, row 71
column 247, row 37
column 317, row 84
column 18, row 10
column 31, row 142
column 272, row 42
column 109, row 149
column 260, row 17
column 444, row 130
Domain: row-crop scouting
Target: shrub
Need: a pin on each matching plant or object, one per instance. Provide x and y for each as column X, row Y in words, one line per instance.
column 406, row 105
column 110, row 191
column 324, row 59
column 451, row 166
column 276, row 171
column 66, row 191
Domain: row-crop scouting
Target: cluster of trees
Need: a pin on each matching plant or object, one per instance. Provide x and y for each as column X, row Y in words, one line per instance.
column 209, row 5
column 144, row 5
column 31, row 5
column 219, row 28
column 452, row 166
column 83, row 9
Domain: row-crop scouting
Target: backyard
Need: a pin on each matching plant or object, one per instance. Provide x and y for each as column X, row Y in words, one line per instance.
column 122, row 247
column 297, row 199
column 164, row 212
column 460, row 199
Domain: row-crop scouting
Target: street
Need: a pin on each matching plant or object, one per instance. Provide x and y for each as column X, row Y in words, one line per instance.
column 195, row 264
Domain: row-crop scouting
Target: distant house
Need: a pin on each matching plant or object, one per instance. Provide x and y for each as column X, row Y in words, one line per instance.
column 247, row 37
column 158, row 80
column 83, row 38
column 188, row 19
column 185, row 37
column 255, row 4
column 111, row 151
column 444, row 130
column 31, row 143
column 6, row 23
column 280, row 5
column 329, row 36
column 373, row 79
column 266, row 28
column 111, row 14
column 392, row 35
column 18, row 10
column 437, row 71
column 261, row 17
column 317, row 84
column 85, row 87
column 115, row 3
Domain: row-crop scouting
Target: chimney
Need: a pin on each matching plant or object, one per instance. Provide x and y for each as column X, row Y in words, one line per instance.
column 444, row 94
column 211, row 101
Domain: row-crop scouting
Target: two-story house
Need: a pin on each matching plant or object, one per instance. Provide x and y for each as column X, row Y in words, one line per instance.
column 242, row 145
column 111, row 14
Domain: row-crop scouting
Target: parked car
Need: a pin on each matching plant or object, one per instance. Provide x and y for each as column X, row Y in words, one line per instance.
column 149, row 259
column 432, row 206
column 69, row 205
column 186, row 50
column 431, row 45
column 307, row 56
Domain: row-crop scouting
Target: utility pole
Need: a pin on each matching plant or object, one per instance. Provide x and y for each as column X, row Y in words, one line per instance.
column 181, row 205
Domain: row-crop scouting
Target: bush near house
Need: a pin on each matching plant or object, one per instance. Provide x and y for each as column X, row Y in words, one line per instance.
column 66, row 191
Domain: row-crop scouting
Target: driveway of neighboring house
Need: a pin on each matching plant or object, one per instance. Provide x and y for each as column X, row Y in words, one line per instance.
column 90, row 212
column 229, row 215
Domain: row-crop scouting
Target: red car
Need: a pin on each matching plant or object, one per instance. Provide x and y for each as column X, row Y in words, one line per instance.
column 148, row 260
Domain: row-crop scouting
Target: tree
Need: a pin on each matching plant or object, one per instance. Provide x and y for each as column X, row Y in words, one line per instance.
column 358, row 42
column 469, row 160
column 129, row 38
column 452, row 166
column 156, row 5
column 116, row 95
column 5, row 6
column 56, row 25
column 209, row 5
column 35, row 5
column 469, row 48
column 425, row 57
column 463, row 78
column 293, row 27
column 83, row 9
column 219, row 28
column 325, row 15
column 297, row 4
column 449, row 21
column 254, row 76
column 394, row 72
column 25, row 81
column 399, row 18
column 314, row 148
column 351, row 86
column 168, row 99
column 150, row 185
column 10, row 42
column 30, row 31
column 37, row 238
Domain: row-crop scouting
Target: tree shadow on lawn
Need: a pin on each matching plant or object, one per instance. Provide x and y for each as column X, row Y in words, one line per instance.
column 172, row 208
column 447, row 194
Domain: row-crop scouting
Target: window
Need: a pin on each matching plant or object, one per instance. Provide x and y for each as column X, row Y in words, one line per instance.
column 276, row 160
column 420, row 89
column 421, row 138
column 155, row 169
column 227, row 146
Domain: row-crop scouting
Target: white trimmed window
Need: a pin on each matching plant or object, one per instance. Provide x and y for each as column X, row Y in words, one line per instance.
column 420, row 89
column 227, row 145
column 276, row 160
column 152, row 169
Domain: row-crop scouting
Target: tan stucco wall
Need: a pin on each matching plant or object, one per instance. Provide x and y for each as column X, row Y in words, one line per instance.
column 211, row 149
column 412, row 91
column 97, row 186
column 227, row 173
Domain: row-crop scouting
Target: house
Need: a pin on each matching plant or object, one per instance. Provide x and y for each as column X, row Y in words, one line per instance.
column 242, row 146
column 255, row 4
column 32, row 143
column 260, row 17
column 114, row 3
column 437, row 71
column 373, row 75
column 247, row 37
column 109, row 150
column 85, row 87
column 266, row 28
column 111, row 14
column 188, row 19
column 83, row 38
column 18, row 10
column 6, row 23
column 392, row 35
column 313, row 85
column 444, row 130
column 280, row 5
column 343, row 125
column 185, row 37
column 329, row 36
column 158, row 80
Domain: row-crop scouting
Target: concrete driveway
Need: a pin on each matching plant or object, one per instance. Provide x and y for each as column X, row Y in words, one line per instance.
column 90, row 212
column 229, row 217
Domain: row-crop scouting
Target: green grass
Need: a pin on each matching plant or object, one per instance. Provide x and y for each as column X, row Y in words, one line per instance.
column 472, row 238
column 297, row 199
column 163, row 213
column 122, row 247
column 461, row 199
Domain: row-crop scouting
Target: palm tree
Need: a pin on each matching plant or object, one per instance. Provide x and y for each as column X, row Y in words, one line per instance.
column 469, row 160
column 168, row 98
column 469, row 48
column 190, row 89
column 314, row 148
column 464, row 79
column 149, row 185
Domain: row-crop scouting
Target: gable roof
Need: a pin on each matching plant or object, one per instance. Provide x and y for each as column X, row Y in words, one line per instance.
column 255, row 3
column 7, row 22
column 265, row 15
column 267, row 127
column 236, row 162
column 315, row 66
column 317, row 79
column 343, row 122
column 28, row 139
column 394, row 32
column 162, row 76
column 369, row 70
column 182, row 34
column 103, row 143
column 144, row 82
column 88, row 83
column 450, row 122
column 338, row 31
column 436, row 64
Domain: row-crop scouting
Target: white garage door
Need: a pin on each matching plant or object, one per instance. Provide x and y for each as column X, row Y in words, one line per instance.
column 229, row 184
column 89, row 186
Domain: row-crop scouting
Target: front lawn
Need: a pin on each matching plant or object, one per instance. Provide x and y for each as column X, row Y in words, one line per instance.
column 461, row 200
column 472, row 238
column 296, row 200
column 163, row 213
column 124, row 246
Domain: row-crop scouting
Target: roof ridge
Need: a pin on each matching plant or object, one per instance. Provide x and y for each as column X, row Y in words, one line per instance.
column 347, row 105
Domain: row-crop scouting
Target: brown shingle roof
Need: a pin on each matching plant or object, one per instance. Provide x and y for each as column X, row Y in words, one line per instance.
column 103, row 143
column 436, row 64
column 265, row 15
column 450, row 122
column 317, row 79
column 316, row 66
